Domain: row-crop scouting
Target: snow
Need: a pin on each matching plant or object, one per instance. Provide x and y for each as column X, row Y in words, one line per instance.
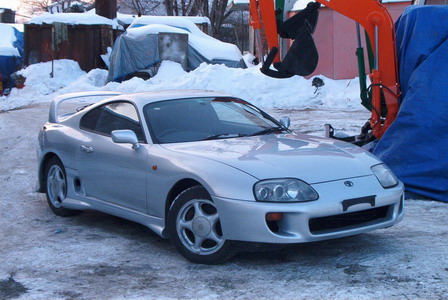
column 125, row 18
column 19, row 27
column 209, row 47
column 39, row 82
column 300, row 4
column 169, row 20
column 99, row 256
column 73, row 19
column 249, row 84
column 6, row 41
column 122, row 19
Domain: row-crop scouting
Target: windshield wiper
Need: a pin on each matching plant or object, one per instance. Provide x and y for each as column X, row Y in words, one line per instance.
column 223, row 136
column 270, row 130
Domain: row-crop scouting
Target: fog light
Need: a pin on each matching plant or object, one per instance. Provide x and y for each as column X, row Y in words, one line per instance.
column 274, row 216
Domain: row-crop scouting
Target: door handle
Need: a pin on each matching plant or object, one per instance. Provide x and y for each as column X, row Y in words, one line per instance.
column 86, row 149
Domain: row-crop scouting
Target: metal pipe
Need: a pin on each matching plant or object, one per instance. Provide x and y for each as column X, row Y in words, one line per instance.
column 358, row 34
column 260, row 46
column 376, row 48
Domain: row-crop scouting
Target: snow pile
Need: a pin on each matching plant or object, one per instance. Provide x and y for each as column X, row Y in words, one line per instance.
column 249, row 84
column 6, row 41
column 124, row 18
column 39, row 86
column 74, row 19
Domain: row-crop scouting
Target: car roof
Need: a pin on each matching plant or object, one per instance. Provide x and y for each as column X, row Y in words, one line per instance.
column 139, row 99
column 144, row 98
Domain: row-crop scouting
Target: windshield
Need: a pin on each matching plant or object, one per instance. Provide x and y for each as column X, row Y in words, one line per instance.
column 187, row 120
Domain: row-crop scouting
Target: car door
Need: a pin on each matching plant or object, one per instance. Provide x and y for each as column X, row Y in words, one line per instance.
column 111, row 172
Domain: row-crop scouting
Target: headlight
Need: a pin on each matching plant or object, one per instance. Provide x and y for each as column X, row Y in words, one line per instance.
column 284, row 190
column 384, row 175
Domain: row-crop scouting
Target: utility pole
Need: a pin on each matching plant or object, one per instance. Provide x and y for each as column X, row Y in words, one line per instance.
column 106, row 8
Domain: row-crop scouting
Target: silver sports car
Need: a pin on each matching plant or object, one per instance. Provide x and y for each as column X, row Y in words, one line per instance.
column 206, row 169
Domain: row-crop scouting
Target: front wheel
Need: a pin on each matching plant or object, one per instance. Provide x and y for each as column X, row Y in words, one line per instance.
column 56, row 188
column 195, row 229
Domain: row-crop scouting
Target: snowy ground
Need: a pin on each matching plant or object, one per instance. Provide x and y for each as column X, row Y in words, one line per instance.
column 96, row 256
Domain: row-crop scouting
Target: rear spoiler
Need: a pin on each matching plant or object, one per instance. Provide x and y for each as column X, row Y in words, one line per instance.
column 53, row 116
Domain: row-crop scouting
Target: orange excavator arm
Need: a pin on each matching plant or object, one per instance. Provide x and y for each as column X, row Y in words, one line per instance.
column 262, row 18
column 375, row 19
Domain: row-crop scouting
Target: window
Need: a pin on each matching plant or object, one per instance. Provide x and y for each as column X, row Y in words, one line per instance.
column 113, row 116
column 239, row 112
column 195, row 119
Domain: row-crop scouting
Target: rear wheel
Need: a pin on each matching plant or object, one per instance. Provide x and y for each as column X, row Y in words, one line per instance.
column 195, row 228
column 56, row 187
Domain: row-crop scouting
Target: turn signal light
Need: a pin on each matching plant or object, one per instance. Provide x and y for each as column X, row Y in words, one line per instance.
column 274, row 216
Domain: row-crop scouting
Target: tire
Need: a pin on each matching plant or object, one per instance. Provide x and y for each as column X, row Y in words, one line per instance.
column 56, row 187
column 195, row 229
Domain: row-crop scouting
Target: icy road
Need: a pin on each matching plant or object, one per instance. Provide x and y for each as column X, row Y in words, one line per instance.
column 96, row 256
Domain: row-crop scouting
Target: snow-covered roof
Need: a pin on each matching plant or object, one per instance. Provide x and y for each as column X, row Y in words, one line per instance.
column 170, row 20
column 7, row 40
column 73, row 19
column 208, row 46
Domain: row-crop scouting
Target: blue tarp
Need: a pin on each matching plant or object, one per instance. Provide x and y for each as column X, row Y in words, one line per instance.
column 415, row 147
column 131, row 54
column 10, row 64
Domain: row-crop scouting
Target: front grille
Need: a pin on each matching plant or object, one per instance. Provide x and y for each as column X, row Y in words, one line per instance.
column 354, row 219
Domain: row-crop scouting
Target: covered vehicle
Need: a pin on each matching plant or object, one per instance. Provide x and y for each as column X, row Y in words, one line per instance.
column 206, row 169
column 138, row 47
column 415, row 145
column 11, row 54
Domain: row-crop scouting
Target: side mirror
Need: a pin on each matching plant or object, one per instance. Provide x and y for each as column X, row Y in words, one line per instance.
column 285, row 121
column 125, row 136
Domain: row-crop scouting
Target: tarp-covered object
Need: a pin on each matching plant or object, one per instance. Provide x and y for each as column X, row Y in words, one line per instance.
column 11, row 53
column 415, row 147
column 137, row 49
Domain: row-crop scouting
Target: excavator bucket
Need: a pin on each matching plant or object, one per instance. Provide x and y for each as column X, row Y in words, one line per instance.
column 308, row 16
column 301, row 59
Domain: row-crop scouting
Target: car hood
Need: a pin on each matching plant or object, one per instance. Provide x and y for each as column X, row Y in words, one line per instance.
column 309, row 158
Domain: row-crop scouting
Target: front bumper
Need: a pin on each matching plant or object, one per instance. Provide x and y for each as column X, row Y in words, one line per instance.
column 325, row 218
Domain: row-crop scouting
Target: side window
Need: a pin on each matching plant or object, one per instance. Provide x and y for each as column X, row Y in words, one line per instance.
column 88, row 121
column 113, row 116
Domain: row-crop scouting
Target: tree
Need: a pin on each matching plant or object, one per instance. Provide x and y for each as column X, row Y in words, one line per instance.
column 35, row 6
column 53, row 6
column 142, row 7
column 213, row 9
